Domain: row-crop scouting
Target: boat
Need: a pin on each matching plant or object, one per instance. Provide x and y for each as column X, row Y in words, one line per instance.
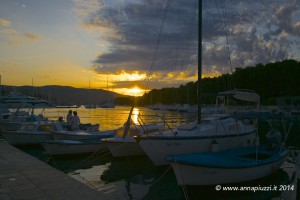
column 68, row 147
column 244, row 95
column 107, row 105
column 240, row 164
column 229, row 166
column 82, row 135
column 32, row 133
column 13, row 120
column 124, row 144
column 215, row 132
column 200, row 135
column 90, row 106
column 14, row 100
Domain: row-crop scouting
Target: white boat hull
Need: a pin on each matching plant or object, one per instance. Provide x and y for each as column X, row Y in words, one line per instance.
column 124, row 146
column 22, row 138
column 195, row 175
column 158, row 149
column 82, row 135
column 65, row 147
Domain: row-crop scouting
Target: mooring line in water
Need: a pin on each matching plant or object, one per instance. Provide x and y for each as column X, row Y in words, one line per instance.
column 185, row 193
column 159, row 178
column 54, row 162
column 104, row 152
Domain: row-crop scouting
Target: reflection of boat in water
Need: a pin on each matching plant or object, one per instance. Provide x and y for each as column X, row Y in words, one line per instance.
column 130, row 176
column 138, row 170
column 72, row 163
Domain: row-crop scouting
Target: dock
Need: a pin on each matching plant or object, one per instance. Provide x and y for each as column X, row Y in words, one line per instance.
column 25, row 177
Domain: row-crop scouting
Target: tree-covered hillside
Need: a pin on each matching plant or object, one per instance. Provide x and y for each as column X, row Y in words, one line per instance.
column 272, row 80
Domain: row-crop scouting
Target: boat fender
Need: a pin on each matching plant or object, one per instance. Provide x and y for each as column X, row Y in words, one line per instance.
column 137, row 138
column 273, row 169
column 214, row 146
column 273, row 138
column 248, row 143
column 256, row 140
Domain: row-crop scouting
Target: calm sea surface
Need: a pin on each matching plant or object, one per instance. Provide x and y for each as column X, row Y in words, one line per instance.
column 138, row 178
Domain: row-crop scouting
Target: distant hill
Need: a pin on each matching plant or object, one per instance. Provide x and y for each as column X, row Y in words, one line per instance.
column 65, row 95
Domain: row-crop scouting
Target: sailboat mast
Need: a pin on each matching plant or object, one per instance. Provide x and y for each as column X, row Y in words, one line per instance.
column 199, row 58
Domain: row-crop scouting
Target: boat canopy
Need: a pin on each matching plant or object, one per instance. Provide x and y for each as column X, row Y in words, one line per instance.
column 241, row 94
column 258, row 115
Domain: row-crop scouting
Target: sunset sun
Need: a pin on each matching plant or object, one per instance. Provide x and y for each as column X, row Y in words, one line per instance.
column 136, row 91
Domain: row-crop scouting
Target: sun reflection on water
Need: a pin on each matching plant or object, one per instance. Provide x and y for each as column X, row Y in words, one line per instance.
column 135, row 115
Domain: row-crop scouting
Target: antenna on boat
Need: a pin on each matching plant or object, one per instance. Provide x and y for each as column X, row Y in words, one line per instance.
column 32, row 87
column 0, row 86
column 199, row 58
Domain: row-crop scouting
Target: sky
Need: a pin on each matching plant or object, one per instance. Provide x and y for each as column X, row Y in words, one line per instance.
column 132, row 46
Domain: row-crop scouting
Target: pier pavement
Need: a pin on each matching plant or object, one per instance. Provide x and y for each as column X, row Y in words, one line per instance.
column 25, row 177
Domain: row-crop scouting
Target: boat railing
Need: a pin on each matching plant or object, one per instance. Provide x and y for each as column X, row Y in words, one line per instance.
column 162, row 118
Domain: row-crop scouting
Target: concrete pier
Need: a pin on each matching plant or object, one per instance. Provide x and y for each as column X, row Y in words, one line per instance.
column 25, row 177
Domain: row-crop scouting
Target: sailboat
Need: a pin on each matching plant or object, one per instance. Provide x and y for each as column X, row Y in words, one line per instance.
column 123, row 144
column 213, row 133
column 238, row 164
column 108, row 103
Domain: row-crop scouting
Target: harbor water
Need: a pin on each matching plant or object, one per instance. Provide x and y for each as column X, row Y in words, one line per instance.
column 138, row 178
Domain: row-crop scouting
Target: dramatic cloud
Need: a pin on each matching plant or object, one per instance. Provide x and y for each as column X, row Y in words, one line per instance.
column 31, row 36
column 4, row 22
column 5, row 26
column 150, row 35
column 12, row 36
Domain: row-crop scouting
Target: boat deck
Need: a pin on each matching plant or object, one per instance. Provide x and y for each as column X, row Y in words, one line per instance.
column 25, row 177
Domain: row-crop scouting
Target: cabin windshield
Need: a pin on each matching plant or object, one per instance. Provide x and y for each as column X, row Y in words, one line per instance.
column 5, row 116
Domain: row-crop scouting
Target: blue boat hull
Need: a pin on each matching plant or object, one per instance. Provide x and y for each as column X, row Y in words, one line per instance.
column 229, row 166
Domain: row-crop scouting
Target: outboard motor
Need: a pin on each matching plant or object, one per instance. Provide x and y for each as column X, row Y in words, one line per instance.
column 273, row 138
